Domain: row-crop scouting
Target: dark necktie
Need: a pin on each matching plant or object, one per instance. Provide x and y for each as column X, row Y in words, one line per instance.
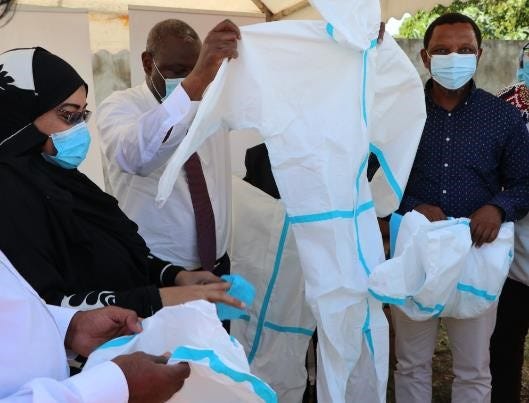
column 204, row 218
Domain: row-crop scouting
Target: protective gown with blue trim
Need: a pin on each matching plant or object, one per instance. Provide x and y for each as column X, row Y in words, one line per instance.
column 322, row 104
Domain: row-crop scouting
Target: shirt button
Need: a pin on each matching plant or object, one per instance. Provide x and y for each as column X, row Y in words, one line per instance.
column 444, row 191
column 447, row 139
column 449, row 114
column 446, row 165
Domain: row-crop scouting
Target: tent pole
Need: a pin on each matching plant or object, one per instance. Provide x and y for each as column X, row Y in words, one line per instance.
column 290, row 10
column 264, row 9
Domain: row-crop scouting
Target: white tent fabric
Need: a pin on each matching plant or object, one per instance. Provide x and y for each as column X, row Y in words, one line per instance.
column 193, row 333
column 322, row 103
column 424, row 281
column 277, row 329
column 276, row 9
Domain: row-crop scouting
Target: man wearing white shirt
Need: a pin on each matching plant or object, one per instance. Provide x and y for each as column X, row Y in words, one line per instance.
column 35, row 336
column 141, row 127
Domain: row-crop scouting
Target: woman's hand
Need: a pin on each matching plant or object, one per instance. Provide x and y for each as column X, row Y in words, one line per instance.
column 215, row 292
column 199, row 277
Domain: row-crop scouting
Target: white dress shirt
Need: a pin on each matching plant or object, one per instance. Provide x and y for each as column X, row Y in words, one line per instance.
column 132, row 126
column 33, row 365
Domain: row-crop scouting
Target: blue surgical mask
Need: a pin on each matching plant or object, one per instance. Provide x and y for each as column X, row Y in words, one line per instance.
column 453, row 71
column 523, row 74
column 170, row 83
column 71, row 145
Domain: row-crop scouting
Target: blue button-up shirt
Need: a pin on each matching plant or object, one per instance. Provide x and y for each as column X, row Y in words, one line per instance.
column 475, row 155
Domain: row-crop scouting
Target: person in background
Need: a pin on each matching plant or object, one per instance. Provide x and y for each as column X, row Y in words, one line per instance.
column 141, row 127
column 67, row 237
column 471, row 162
column 512, row 322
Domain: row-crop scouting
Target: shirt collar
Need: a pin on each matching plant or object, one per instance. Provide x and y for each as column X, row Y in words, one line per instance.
column 468, row 100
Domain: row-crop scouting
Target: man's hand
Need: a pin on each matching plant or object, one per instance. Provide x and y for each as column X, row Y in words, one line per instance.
column 432, row 213
column 89, row 329
column 485, row 224
column 198, row 277
column 215, row 292
column 149, row 378
column 220, row 43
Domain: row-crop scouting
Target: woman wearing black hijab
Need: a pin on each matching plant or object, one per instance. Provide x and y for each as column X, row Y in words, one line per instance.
column 68, row 238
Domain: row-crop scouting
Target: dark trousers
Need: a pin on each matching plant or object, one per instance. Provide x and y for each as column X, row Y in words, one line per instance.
column 507, row 342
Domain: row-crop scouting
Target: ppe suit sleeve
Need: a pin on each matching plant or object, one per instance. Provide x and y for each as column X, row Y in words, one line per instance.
column 134, row 139
column 209, row 120
column 395, row 123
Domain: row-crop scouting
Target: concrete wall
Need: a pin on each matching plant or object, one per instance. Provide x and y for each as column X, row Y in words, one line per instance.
column 496, row 69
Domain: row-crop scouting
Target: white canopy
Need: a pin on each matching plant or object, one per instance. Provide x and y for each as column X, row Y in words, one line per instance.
column 273, row 9
column 301, row 9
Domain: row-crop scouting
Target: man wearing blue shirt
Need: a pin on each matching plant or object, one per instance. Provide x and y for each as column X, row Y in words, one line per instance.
column 471, row 162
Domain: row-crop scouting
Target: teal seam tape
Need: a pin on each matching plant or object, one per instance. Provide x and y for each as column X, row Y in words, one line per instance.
column 387, row 170
column 394, row 225
column 117, row 342
column 358, row 245
column 260, row 388
column 475, row 291
column 364, row 83
column 268, row 294
column 330, row 30
column 289, row 329
column 435, row 310
column 331, row 215
column 366, row 329
column 387, row 300
column 364, row 78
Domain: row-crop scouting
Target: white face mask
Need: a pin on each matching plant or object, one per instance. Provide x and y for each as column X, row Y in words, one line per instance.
column 453, row 71
column 170, row 84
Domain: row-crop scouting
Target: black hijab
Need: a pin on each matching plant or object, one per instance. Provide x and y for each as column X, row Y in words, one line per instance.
column 32, row 82
column 60, row 231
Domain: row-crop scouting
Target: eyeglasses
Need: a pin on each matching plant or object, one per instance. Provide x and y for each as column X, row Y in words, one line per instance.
column 524, row 56
column 74, row 117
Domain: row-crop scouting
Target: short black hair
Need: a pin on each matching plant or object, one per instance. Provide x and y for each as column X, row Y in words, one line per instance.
column 451, row 18
column 171, row 27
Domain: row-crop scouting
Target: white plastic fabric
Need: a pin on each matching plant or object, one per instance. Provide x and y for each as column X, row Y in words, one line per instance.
column 437, row 272
column 277, row 329
column 322, row 107
column 194, row 334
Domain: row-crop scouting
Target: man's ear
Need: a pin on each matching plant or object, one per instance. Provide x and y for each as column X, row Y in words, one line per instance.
column 146, row 60
column 480, row 52
column 425, row 59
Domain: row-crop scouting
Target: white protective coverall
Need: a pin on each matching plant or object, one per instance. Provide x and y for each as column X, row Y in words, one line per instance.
column 323, row 95
column 193, row 333
column 424, row 281
column 278, row 326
